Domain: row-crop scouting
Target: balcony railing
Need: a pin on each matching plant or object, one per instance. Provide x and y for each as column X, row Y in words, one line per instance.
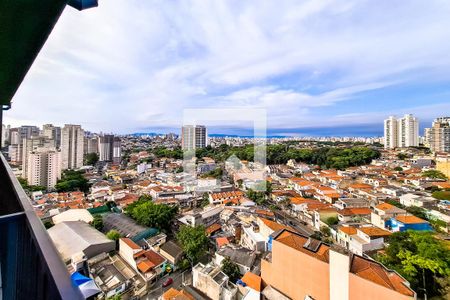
column 30, row 265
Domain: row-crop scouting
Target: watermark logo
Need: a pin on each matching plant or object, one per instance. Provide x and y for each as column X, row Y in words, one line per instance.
column 195, row 140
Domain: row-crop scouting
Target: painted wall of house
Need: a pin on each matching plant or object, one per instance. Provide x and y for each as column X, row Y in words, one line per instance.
column 367, row 290
column 296, row 274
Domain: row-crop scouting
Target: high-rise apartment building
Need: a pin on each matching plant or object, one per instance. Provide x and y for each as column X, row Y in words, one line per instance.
column 44, row 167
column 33, row 144
column 27, row 131
column 5, row 135
column 193, row 137
column 390, row 133
column 72, row 146
column 109, row 148
column 91, row 144
column 14, row 137
column 52, row 132
column 401, row 133
column 438, row 136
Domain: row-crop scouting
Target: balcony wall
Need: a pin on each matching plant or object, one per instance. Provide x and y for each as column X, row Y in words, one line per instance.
column 29, row 262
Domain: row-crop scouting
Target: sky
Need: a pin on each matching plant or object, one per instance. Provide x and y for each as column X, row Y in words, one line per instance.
column 316, row 67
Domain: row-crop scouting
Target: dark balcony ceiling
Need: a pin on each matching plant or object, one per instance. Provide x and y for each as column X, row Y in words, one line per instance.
column 24, row 27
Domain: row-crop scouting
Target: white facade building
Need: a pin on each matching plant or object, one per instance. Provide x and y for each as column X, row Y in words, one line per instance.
column 194, row 137
column 72, row 146
column 438, row 136
column 52, row 132
column 32, row 144
column 44, row 168
column 401, row 133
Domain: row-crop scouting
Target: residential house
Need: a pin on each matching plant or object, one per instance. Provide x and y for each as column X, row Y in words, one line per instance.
column 384, row 212
column 243, row 257
column 354, row 214
column 405, row 222
column 148, row 263
column 250, row 285
column 205, row 217
column 174, row 294
column 210, row 280
column 344, row 233
column 367, row 239
column 172, row 252
column 251, row 238
column 226, row 197
column 418, row 199
column 304, row 268
column 351, row 203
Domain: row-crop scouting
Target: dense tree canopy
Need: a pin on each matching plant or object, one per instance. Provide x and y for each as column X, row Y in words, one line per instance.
column 31, row 188
column 328, row 157
column 436, row 174
column 216, row 173
column 113, row 235
column 194, row 241
column 441, row 195
column 149, row 214
column 421, row 258
column 97, row 223
column 91, row 159
column 72, row 181
column 231, row 269
column 261, row 192
column 170, row 153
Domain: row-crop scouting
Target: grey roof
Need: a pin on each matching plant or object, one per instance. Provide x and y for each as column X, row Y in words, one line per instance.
column 73, row 237
column 241, row 256
column 125, row 225
column 172, row 249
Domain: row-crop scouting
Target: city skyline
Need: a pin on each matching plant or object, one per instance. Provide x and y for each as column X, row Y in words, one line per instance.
column 331, row 66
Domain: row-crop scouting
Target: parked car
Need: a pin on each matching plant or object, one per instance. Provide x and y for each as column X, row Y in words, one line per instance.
column 168, row 282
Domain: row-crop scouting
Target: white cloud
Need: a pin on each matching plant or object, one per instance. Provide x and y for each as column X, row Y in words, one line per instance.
column 128, row 65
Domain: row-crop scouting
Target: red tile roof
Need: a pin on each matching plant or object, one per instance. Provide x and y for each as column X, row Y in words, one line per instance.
column 377, row 273
column 410, row 219
column 297, row 242
column 130, row 243
column 252, row 281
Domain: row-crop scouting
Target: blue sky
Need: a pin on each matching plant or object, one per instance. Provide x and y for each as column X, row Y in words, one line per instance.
column 317, row 67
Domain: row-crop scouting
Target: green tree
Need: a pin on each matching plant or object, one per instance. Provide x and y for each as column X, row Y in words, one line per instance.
column 72, row 181
column 417, row 211
column 30, row 188
column 91, row 159
column 402, row 156
column 142, row 199
column 398, row 169
column 421, row 258
column 205, row 200
column 194, row 242
column 231, row 269
column 332, row 221
column 436, row 174
column 441, row 195
column 286, row 203
column 325, row 230
column 97, row 223
column 216, row 173
column 149, row 214
column 255, row 196
column 113, row 235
